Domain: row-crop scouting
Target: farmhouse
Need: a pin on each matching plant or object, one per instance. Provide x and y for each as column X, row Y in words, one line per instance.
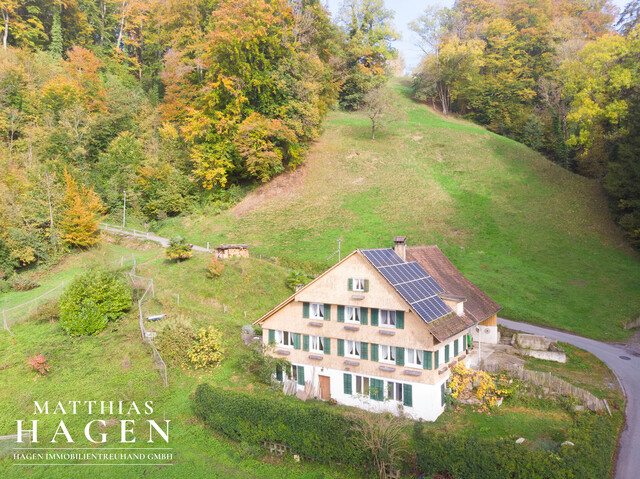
column 380, row 330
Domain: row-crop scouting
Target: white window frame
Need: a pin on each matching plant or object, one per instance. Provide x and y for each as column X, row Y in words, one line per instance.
column 390, row 352
column 284, row 339
column 316, row 311
column 413, row 357
column 316, row 344
column 352, row 345
column 394, row 391
column 386, row 319
column 361, row 385
column 351, row 312
column 358, row 284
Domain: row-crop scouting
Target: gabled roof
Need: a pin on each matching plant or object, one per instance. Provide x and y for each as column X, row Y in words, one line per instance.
column 433, row 260
column 411, row 281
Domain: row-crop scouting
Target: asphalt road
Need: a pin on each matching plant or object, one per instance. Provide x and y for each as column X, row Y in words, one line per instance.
column 628, row 373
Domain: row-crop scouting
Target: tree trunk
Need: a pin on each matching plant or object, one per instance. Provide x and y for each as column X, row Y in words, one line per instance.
column 5, row 15
column 373, row 129
column 120, row 33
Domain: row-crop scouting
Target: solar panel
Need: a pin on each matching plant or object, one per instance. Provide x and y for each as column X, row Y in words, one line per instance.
column 413, row 283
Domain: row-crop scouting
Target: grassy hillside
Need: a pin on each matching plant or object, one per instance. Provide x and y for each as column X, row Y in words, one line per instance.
column 537, row 238
column 91, row 368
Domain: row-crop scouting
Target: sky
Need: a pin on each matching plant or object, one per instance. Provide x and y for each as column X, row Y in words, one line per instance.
column 408, row 10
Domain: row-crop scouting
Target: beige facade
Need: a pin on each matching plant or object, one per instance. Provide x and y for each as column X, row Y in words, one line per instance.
column 410, row 337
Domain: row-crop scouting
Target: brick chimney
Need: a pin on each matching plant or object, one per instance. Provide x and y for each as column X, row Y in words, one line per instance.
column 399, row 246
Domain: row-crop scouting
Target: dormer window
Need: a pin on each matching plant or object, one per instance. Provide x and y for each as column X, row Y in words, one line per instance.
column 316, row 311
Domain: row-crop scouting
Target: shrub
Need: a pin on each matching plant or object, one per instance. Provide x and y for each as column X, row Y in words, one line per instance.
column 478, row 458
column 317, row 432
column 260, row 365
column 178, row 249
column 296, row 277
column 214, row 268
column 174, row 343
column 91, row 301
column 207, row 349
column 47, row 312
column 20, row 283
column 39, row 363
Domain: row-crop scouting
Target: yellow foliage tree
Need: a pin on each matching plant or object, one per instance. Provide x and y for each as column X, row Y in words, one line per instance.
column 82, row 214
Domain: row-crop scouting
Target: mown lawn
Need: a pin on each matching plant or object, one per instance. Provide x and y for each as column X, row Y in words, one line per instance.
column 537, row 238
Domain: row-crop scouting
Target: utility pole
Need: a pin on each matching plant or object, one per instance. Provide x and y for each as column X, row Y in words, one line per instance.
column 339, row 241
column 124, row 207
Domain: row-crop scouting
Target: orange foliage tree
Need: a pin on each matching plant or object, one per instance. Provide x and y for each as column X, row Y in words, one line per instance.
column 82, row 214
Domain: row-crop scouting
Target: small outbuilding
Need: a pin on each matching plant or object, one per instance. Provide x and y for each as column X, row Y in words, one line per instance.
column 232, row 251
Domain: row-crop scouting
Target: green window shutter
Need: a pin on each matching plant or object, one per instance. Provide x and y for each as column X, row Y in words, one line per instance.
column 469, row 341
column 374, row 316
column 296, row 340
column 340, row 347
column 327, row 312
column 428, row 360
column 374, row 352
column 278, row 373
column 364, row 316
column 399, row 356
column 366, row 285
column 376, row 389
column 399, row 319
column 272, row 336
column 364, row 350
column 305, row 310
column 350, row 284
column 436, row 359
column 407, row 394
column 347, row 384
column 327, row 345
column 446, row 353
column 341, row 314
column 305, row 342
column 455, row 348
column 301, row 375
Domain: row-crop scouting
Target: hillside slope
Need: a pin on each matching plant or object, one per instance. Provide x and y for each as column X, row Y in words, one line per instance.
column 537, row 238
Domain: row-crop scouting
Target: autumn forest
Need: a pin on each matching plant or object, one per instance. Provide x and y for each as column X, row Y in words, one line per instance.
column 182, row 104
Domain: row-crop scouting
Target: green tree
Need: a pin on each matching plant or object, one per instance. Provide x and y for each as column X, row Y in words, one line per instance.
column 92, row 301
column 369, row 31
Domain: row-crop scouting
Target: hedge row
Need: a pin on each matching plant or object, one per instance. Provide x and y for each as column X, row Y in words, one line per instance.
column 475, row 458
column 322, row 434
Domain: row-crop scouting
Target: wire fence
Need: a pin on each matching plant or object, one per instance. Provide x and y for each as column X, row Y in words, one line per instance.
column 15, row 314
column 553, row 384
column 139, row 282
column 8, row 443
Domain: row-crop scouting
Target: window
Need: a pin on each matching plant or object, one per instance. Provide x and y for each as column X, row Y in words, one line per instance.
column 352, row 349
column 413, row 358
column 358, row 284
column 362, row 385
column 284, row 338
column 316, row 311
column 387, row 318
column 352, row 314
column 388, row 354
column 394, row 391
column 316, row 344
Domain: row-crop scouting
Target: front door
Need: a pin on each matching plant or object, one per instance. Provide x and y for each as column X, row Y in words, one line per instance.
column 325, row 387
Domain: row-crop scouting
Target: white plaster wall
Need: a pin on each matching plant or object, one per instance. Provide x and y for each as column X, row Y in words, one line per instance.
column 426, row 398
column 487, row 334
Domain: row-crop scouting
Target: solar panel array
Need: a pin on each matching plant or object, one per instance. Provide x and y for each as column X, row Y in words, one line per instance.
column 413, row 283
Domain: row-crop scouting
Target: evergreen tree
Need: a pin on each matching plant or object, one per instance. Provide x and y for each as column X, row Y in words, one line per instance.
column 55, row 47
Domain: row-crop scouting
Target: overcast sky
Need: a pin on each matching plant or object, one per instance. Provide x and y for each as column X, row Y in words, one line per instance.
column 407, row 11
